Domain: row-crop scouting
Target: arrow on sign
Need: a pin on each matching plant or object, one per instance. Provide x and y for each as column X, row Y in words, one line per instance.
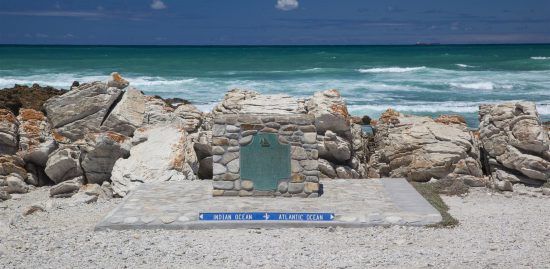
column 201, row 216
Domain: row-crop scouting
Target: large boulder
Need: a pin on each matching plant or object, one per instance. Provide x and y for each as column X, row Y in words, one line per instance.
column 64, row 164
column 67, row 188
column 8, row 132
column 160, row 153
column 189, row 117
column 81, row 110
column 334, row 148
column 36, row 141
column 157, row 111
column 251, row 102
column 330, row 112
column 420, row 148
column 15, row 184
column 100, row 153
column 128, row 114
column 517, row 145
column 12, row 164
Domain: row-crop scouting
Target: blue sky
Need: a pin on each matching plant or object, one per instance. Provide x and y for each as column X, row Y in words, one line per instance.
column 260, row 22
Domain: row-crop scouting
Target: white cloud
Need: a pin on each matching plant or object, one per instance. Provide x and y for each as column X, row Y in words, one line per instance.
column 287, row 5
column 158, row 4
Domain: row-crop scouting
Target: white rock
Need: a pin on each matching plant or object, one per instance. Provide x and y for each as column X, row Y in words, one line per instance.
column 504, row 186
column 128, row 114
column 166, row 154
column 330, row 112
column 250, row 102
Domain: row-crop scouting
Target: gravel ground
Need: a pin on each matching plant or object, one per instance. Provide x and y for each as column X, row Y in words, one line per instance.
column 496, row 231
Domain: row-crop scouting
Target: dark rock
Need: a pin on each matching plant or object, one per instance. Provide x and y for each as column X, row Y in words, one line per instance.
column 366, row 120
column 205, row 168
column 21, row 96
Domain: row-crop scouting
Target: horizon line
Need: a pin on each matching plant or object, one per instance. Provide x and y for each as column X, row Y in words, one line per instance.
column 418, row 44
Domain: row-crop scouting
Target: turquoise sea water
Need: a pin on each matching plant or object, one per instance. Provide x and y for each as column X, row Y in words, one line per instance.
column 425, row 80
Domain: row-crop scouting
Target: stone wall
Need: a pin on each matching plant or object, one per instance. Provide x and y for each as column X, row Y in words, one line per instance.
column 230, row 132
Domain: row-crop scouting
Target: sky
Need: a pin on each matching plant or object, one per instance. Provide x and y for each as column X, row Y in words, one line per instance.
column 273, row 22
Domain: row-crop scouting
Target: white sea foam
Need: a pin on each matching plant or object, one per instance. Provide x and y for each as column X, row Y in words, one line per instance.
column 157, row 81
column 464, row 65
column 424, row 107
column 437, row 107
column 485, row 86
column 391, row 69
column 540, row 58
column 64, row 80
column 206, row 107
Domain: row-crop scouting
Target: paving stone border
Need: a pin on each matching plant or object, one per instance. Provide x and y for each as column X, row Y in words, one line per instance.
column 231, row 132
column 354, row 202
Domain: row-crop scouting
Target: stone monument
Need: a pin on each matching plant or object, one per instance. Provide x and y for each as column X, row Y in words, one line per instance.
column 265, row 155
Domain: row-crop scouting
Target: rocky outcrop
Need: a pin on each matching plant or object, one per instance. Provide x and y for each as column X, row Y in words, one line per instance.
column 340, row 142
column 516, row 143
column 127, row 115
column 21, row 96
column 81, row 110
column 330, row 112
column 8, row 132
column 64, row 164
column 36, row 141
column 420, row 148
column 100, row 153
column 160, row 153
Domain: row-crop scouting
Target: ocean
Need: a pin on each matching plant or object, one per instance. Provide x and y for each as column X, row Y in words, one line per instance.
column 422, row 80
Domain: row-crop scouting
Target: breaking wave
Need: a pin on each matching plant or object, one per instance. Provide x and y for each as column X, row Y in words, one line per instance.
column 540, row 58
column 391, row 69
column 486, row 86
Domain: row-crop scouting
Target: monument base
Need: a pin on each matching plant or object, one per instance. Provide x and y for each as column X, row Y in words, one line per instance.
column 351, row 203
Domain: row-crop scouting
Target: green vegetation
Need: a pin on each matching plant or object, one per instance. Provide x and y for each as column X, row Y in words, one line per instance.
column 431, row 192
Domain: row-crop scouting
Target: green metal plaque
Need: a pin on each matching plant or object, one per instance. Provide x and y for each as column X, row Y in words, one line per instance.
column 265, row 162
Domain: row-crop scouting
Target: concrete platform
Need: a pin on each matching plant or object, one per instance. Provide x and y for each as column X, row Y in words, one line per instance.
column 354, row 202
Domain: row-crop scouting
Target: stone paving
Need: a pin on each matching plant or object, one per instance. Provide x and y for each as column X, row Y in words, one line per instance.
column 354, row 202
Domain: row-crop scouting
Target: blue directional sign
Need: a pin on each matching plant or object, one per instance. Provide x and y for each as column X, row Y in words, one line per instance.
column 265, row 216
